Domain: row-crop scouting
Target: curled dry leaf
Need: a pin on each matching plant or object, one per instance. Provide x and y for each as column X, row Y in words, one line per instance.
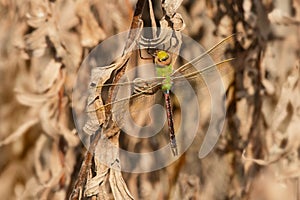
column 177, row 22
column 226, row 26
column 106, row 160
column 96, row 112
column 249, row 15
column 38, row 13
column 31, row 190
column 90, row 31
column 288, row 95
column 96, row 185
column 54, row 31
column 46, row 102
column 37, row 16
column 19, row 132
column 277, row 16
column 43, row 175
column 99, row 75
column 106, row 150
column 118, row 185
column 110, row 160
column 50, row 167
column 170, row 6
column 257, row 161
column 48, row 76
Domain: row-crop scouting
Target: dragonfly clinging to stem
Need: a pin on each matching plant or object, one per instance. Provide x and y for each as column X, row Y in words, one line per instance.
column 164, row 69
column 166, row 77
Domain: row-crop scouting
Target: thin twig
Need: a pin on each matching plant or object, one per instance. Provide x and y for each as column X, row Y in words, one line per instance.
column 85, row 167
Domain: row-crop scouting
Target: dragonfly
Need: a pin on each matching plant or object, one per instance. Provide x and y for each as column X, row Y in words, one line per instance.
column 166, row 76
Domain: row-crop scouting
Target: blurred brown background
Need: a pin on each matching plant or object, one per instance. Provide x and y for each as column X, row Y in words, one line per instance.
column 42, row 44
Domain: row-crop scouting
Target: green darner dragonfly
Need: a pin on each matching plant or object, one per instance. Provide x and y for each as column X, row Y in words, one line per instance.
column 166, row 76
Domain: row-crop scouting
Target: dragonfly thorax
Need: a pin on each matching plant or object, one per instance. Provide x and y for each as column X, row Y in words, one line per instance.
column 164, row 69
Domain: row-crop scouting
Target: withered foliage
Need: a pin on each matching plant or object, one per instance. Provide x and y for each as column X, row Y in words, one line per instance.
column 42, row 45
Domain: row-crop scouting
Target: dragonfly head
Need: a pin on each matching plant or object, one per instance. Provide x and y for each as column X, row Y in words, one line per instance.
column 162, row 58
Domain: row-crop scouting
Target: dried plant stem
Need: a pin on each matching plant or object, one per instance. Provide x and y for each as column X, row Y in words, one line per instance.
column 136, row 23
column 85, row 167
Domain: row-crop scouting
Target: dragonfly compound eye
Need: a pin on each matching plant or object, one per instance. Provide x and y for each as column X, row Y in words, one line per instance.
column 162, row 55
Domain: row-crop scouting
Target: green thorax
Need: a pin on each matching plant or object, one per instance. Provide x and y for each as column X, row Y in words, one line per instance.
column 165, row 71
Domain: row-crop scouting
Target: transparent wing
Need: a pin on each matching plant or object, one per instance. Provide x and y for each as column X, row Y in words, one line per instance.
column 211, row 69
column 132, row 100
column 125, row 91
column 224, row 68
column 206, row 59
column 205, row 66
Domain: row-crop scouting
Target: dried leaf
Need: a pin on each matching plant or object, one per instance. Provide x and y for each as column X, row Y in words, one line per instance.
column 49, row 75
column 94, row 184
column 170, row 6
column 277, row 16
column 90, row 31
column 19, row 132
column 257, row 161
column 96, row 112
column 118, row 185
column 287, row 96
column 38, row 13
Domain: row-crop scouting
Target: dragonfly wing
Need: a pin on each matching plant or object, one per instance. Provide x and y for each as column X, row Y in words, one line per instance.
column 206, row 58
column 128, row 98
column 199, row 77
column 98, row 76
column 133, row 113
column 206, row 71
column 208, row 144
column 86, row 93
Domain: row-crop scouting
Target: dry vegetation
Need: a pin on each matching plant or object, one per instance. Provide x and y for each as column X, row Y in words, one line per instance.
column 43, row 43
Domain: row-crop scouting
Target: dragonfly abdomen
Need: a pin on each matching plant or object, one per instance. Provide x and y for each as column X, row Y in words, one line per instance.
column 173, row 143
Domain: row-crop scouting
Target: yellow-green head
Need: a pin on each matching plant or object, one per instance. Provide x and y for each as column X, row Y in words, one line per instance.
column 162, row 55
column 162, row 58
